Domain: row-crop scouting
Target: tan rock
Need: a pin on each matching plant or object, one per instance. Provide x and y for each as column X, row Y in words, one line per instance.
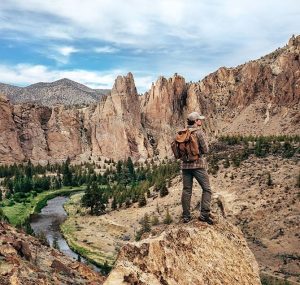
column 10, row 149
column 193, row 254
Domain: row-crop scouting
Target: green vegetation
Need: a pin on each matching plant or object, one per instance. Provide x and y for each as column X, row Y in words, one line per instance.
column 145, row 227
column 94, row 198
column 168, row 219
column 95, row 257
column 272, row 280
column 127, row 184
column 18, row 213
column 285, row 146
column 235, row 149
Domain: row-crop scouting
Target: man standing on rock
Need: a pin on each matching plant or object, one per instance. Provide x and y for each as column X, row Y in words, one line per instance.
column 197, row 169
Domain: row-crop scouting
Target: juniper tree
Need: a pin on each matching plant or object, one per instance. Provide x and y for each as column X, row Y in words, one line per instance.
column 145, row 224
column 226, row 162
column 168, row 219
column 269, row 180
column 142, row 200
column 154, row 220
column 163, row 191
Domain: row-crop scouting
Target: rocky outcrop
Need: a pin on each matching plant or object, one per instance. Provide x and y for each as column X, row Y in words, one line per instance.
column 162, row 111
column 115, row 125
column 23, row 260
column 193, row 254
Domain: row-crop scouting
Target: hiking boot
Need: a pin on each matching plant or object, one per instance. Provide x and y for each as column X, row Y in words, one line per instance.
column 207, row 219
column 185, row 220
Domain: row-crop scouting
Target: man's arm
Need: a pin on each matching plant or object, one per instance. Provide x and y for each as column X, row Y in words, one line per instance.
column 203, row 145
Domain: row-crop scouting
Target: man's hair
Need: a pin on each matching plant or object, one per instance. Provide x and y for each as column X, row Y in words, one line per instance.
column 190, row 123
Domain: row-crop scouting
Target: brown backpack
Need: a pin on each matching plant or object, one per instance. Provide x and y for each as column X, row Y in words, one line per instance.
column 185, row 146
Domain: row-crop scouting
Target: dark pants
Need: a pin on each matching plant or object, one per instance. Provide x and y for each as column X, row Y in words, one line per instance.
column 202, row 178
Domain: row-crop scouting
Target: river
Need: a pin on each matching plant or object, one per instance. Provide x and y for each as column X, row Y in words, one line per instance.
column 48, row 222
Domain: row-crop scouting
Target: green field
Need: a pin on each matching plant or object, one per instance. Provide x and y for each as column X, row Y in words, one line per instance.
column 18, row 213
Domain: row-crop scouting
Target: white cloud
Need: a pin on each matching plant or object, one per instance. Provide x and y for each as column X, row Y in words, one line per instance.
column 26, row 74
column 141, row 23
column 66, row 50
column 61, row 54
column 191, row 37
column 105, row 49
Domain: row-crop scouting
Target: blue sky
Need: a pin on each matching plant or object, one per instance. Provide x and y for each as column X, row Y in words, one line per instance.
column 93, row 41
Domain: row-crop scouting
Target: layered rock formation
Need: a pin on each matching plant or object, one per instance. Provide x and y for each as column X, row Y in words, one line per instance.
column 259, row 97
column 193, row 254
column 25, row 261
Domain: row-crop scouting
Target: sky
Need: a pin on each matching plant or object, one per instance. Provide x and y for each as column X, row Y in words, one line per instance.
column 94, row 41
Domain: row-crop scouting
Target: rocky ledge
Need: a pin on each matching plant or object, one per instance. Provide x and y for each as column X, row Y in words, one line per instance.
column 25, row 261
column 188, row 254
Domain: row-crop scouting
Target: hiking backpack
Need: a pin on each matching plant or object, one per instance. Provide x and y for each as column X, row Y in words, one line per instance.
column 185, row 146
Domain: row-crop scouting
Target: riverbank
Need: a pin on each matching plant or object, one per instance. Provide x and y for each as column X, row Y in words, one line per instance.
column 89, row 236
column 19, row 213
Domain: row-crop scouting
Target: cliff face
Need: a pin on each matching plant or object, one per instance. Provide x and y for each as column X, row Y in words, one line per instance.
column 10, row 149
column 162, row 110
column 115, row 125
column 193, row 254
column 25, row 261
column 259, row 97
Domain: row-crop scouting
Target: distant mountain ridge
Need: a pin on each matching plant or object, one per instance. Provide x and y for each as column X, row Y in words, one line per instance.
column 61, row 92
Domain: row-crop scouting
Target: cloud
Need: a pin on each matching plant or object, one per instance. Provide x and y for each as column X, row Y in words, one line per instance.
column 61, row 54
column 141, row 24
column 66, row 50
column 105, row 49
column 191, row 37
column 26, row 74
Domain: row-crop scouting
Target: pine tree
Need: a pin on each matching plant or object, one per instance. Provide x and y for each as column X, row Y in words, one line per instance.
column 28, row 169
column 131, row 170
column 67, row 174
column 142, row 200
column 95, row 199
column 114, row 203
column 145, row 224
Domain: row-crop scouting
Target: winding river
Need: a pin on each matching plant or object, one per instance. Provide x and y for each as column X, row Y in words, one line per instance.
column 48, row 222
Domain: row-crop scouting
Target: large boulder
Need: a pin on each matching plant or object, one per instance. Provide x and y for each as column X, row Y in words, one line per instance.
column 188, row 254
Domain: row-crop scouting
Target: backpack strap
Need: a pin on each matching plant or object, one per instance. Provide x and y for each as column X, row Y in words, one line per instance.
column 183, row 135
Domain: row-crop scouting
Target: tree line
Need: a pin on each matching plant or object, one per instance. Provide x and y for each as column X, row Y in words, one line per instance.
column 128, row 184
